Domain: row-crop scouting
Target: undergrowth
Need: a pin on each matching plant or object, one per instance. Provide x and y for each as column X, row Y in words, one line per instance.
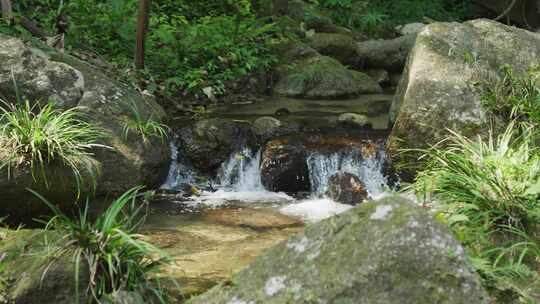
column 378, row 18
column 487, row 191
column 109, row 250
column 191, row 45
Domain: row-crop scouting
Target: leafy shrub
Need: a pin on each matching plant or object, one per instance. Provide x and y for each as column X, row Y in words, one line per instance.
column 34, row 135
column 208, row 53
column 488, row 192
column 116, row 256
column 191, row 44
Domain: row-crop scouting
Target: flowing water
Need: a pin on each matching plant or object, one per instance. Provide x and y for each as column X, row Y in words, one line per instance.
column 216, row 233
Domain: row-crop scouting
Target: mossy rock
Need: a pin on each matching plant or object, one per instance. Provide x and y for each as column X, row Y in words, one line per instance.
column 30, row 275
column 385, row 252
column 322, row 77
column 338, row 46
column 292, row 50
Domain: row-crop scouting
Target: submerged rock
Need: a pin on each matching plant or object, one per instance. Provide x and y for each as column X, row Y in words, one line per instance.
column 249, row 218
column 322, row 77
column 353, row 119
column 346, row 188
column 447, row 74
column 385, row 252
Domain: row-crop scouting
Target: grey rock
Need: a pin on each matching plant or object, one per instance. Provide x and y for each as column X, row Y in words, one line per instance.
column 390, row 55
column 410, row 28
column 447, row 74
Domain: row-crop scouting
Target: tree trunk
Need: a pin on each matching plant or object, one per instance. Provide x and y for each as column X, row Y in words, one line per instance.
column 142, row 28
column 281, row 7
column 7, row 13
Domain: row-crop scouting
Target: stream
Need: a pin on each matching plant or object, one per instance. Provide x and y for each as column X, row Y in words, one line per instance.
column 216, row 233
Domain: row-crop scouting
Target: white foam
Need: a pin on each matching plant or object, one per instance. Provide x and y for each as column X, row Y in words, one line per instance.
column 222, row 197
column 314, row 210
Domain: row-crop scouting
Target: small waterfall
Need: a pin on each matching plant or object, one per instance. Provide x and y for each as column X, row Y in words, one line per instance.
column 180, row 172
column 369, row 170
column 241, row 172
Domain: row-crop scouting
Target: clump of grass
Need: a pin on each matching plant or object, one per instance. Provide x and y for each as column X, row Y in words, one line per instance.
column 515, row 95
column 113, row 251
column 488, row 191
column 33, row 136
column 146, row 127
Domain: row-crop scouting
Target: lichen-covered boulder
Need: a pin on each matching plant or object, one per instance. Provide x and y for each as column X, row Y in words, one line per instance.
column 28, row 73
column 338, row 46
column 385, row 252
column 447, row 73
column 208, row 143
column 322, row 77
column 42, row 74
column 346, row 188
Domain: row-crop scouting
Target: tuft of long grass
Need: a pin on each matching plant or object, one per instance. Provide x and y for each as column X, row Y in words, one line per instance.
column 515, row 95
column 110, row 247
column 34, row 135
column 488, row 191
column 146, row 127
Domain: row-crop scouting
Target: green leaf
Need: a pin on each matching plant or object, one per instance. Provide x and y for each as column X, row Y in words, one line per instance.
column 457, row 218
column 533, row 189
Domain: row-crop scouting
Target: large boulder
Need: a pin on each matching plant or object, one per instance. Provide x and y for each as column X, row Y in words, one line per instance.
column 447, row 74
column 346, row 188
column 384, row 252
column 208, row 143
column 338, row 46
column 26, row 72
column 42, row 74
column 322, row 77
